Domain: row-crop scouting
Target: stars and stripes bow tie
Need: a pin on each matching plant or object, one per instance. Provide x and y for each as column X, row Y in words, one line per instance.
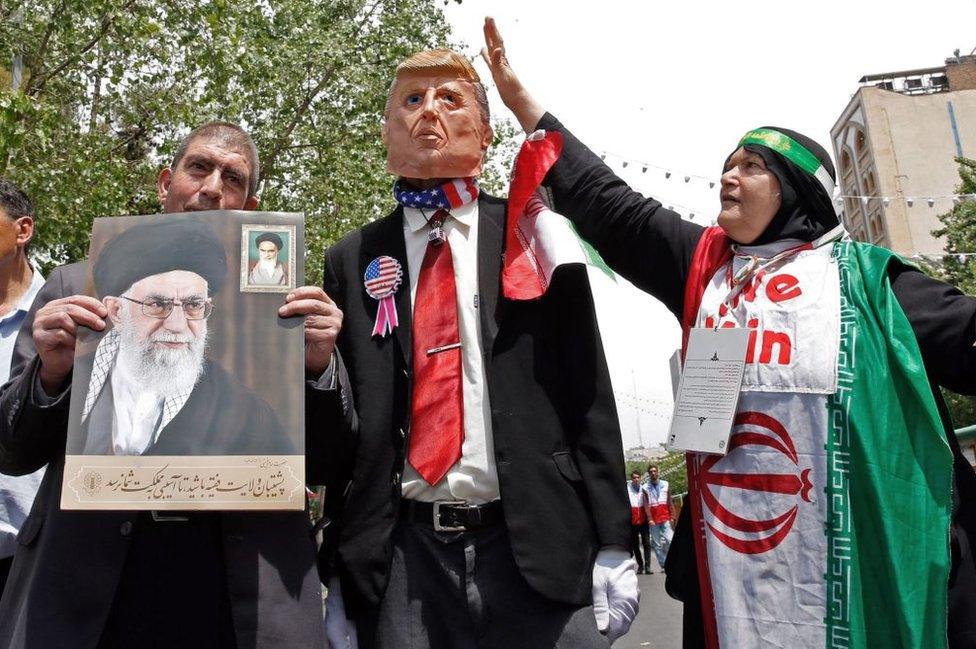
column 450, row 195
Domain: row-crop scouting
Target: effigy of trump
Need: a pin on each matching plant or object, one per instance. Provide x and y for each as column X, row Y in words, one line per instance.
column 151, row 388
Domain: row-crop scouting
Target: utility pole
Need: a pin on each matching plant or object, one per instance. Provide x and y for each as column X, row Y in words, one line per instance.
column 17, row 69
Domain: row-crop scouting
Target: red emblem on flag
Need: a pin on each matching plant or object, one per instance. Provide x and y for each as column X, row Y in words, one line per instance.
column 757, row 536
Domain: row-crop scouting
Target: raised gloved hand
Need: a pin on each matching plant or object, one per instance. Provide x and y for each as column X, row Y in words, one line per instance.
column 339, row 630
column 616, row 597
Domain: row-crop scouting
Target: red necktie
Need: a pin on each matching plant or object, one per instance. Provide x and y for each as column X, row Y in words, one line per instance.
column 437, row 424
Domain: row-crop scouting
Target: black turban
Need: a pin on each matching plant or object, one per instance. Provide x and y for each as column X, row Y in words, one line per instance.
column 806, row 211
column 269, row 236
column 167, row 244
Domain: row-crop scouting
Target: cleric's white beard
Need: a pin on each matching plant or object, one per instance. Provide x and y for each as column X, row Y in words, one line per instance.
column 268, row 265
column 160, row 369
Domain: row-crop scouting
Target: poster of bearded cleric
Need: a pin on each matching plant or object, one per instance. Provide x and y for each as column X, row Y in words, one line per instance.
column 192, row 397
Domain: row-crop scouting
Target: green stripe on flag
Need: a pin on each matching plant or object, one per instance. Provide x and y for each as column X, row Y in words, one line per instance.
column 593, row 258
column 887, row 450
column 838, row 526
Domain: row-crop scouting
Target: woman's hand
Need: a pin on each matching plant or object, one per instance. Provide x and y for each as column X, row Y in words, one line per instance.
column 527, row 111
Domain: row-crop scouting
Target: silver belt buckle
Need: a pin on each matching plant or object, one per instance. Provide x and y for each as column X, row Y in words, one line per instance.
column 159, row 517
column 437, row 515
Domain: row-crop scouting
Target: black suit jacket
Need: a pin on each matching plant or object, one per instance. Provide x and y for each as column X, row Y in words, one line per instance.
column 68, row 563
column 554, row 420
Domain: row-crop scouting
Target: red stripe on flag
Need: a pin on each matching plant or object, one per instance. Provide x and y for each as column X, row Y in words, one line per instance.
column 452, row 195
column 521, row 276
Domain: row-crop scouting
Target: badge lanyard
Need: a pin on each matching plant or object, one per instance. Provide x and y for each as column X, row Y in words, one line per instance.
column 738, row 281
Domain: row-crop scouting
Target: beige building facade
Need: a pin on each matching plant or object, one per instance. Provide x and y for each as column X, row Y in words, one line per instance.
column 895, row 145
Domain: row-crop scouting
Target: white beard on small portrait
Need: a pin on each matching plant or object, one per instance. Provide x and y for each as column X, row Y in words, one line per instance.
column 268, row 265
column 160, row 369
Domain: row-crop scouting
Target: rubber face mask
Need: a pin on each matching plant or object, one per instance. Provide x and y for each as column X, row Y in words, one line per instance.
column 434, row 128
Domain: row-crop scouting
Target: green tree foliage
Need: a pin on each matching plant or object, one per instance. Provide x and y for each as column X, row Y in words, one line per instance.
column 112, row 85
column 960, row 233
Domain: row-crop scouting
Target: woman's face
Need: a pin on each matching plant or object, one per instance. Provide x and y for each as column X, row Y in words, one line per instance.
column 750, row 197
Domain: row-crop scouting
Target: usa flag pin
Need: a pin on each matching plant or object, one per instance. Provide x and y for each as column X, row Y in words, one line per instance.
column 382, row 278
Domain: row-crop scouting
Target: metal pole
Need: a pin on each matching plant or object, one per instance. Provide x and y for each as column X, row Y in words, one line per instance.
column 17, row 69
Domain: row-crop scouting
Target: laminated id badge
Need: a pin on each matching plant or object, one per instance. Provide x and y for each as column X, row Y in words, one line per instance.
column 708, row 390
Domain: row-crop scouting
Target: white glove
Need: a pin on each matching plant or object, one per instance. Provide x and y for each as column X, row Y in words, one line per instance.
column 616, row 597
column 340, row 632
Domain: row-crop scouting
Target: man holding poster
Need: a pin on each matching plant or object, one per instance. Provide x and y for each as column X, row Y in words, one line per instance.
column 102, row 579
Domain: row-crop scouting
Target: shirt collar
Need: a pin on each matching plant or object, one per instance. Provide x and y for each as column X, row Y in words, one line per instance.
column 416, row 219
column 27, row 299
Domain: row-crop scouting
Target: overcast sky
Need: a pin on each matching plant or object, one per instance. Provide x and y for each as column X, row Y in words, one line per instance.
column 676, row 84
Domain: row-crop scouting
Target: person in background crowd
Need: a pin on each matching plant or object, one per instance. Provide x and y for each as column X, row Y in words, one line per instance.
column 639, row 535
column 19, row 283
column 660, row 514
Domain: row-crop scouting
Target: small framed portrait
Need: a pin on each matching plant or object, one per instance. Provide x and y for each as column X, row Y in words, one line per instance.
column 267, row 258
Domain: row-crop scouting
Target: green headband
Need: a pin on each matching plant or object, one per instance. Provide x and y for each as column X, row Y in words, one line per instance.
column 792, row 151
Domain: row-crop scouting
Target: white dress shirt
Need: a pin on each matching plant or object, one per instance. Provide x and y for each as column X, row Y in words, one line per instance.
column 16, row 492
column 473, row 478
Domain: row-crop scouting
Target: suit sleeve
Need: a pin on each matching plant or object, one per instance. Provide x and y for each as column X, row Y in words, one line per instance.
column 649, row 245
column 598, row 448
column 330, row 416
column 944, row 322
column 31, row 435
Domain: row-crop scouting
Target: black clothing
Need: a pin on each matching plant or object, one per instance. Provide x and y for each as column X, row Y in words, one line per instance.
column 219, row 418
column 653, row 248
column 147, row 250
column 5, row 564
column 640, row 546
column 435, row 575
column 554, row 421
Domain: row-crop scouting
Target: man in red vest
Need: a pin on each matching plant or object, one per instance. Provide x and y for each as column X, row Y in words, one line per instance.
column 639, row 534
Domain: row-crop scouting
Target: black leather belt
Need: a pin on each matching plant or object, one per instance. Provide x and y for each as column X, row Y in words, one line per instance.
column 452, row 515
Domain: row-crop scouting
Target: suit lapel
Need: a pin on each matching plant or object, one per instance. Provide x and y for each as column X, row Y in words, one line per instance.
column 491, row 230
column 387, row 239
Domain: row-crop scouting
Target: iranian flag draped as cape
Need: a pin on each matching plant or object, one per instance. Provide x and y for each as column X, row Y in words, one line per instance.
column 827, row 524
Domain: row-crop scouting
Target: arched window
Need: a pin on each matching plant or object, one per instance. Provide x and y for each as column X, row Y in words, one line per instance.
column 870, row 186
column 846, row 164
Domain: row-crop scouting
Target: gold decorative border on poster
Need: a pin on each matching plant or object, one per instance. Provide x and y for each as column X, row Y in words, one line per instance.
column 246, row 230
column 190, row 482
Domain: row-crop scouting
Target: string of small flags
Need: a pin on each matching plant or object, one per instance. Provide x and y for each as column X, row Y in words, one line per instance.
column 911, row 200
column 961, row 257
column 671, row 173
column 692, row 214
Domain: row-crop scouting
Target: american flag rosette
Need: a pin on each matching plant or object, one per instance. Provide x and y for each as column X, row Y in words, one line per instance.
column 382, row 278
